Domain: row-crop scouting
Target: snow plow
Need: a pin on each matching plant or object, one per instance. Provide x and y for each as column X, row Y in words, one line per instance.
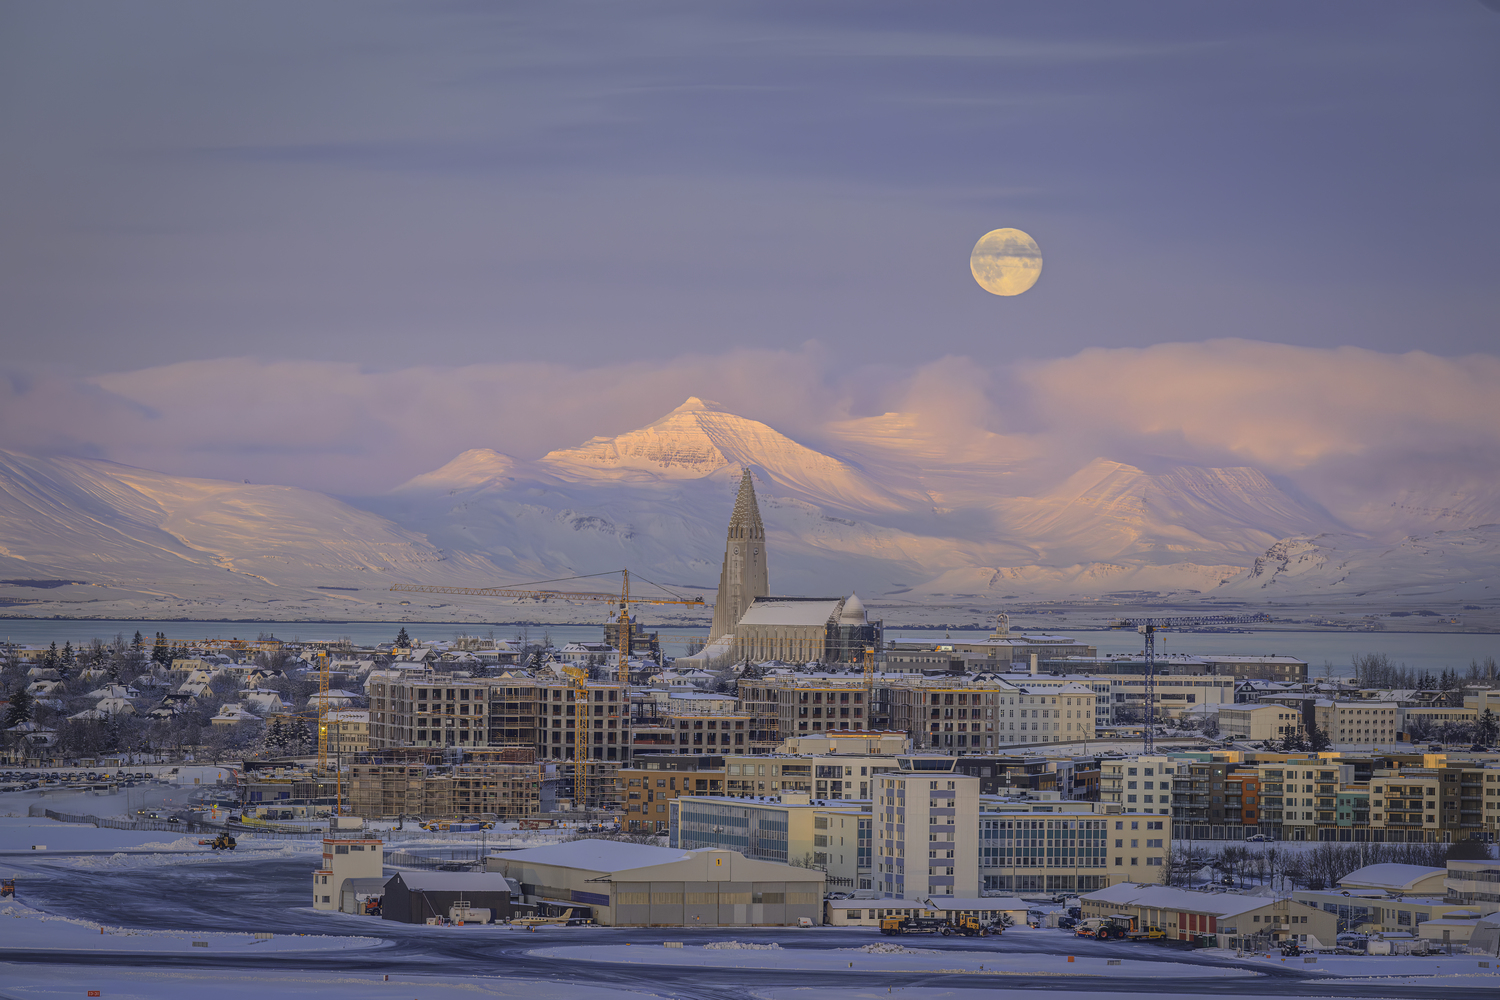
column 223, row 842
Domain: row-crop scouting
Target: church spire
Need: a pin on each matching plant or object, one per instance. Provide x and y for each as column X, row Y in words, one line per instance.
column 746, row 510
column 743, row 577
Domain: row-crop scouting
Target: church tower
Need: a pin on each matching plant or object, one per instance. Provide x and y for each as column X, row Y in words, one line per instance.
column 743, row 577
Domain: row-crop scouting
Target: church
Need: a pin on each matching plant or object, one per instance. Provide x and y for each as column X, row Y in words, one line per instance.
column 750, row 625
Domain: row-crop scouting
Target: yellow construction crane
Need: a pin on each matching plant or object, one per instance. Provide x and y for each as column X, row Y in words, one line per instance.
column 582, row 765
column 623, row 598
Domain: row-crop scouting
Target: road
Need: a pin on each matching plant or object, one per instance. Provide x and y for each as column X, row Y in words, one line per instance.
column 271, row 894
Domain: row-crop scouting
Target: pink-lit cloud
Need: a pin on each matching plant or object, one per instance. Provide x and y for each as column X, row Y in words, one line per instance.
column 347, row 430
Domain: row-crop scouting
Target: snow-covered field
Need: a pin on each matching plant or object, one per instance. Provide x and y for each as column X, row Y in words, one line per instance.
column 33, row 982
column 995, row 962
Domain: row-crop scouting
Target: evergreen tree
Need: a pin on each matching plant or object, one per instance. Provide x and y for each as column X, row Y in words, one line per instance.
column 50, row 658
column 138, row 643
column 1317, row 740
column 1487, row 728
column 403, row 641
column 19, row 710
column 160, row 653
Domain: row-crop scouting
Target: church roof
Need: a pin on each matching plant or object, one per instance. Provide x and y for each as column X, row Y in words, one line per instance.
column 791, row 611
column 854, row 611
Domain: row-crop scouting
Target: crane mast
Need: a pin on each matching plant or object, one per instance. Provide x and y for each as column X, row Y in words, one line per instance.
column 1148, row 628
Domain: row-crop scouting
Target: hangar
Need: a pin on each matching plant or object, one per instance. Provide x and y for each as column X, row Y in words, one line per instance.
column 638, row 885
column 415, row 897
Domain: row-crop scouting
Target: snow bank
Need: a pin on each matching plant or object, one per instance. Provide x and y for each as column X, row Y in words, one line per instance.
column 200, row 856
column 887, row 948
column 741, row 946
column 22, row 927
column 982, row 963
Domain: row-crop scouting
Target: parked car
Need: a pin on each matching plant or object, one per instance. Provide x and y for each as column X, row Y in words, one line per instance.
column 1256, row 838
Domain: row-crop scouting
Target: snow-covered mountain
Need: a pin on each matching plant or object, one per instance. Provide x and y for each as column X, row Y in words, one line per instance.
column 130, row 534
column 658, row 498
column 883, row 509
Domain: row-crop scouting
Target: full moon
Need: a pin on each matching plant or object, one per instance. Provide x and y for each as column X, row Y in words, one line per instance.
column 1006, row 262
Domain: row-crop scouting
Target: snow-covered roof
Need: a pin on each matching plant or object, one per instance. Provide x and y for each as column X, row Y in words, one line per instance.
column 985, row 903
column 598, row 855
column 1221, row 904
column 791, row 611
column 1391, row 877
column 457, row 881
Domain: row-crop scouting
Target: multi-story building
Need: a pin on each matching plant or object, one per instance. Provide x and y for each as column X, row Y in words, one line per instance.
column 824, row 776
column 425, row 709
column 792, row 827
column 689, row 722
column 1042, row 843
column 1175, row 697
column 348, row 730
column 973, row 715
column 1141, row 784
column 926, row 830
column 784, row 705
column 1259, row 722
column 1359, row 721
column 488, row 784
column 647, row 789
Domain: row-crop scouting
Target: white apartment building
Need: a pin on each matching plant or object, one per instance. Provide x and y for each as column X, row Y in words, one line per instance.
column 1139, row 784
column 925, row 830
column 1359, row 721
column 1258, row 722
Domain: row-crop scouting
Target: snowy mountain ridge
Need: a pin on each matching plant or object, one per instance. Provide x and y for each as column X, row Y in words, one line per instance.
column 658, row 498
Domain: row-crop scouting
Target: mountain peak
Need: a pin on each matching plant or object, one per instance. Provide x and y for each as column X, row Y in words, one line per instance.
column 695, row 405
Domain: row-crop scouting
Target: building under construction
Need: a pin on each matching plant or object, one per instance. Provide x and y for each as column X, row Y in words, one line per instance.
column 500, row 783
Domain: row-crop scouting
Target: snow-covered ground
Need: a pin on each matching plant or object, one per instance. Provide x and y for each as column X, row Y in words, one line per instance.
column 36, row 982
column 992, row 962
column 927, row 992
column 31, row 929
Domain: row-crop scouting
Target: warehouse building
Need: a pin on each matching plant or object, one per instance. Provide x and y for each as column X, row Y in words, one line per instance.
column 637, row 885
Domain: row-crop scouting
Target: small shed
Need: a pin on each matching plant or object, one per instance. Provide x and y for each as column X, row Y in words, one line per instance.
column 355, row 891
column 414, row 897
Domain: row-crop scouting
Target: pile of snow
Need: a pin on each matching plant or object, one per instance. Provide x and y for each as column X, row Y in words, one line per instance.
column 179, row 856
column 742, row 946
column 22, row 927
column 887, row 948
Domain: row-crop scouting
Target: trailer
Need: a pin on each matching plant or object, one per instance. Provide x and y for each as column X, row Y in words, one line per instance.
column 916, row 925
column 1117, row 926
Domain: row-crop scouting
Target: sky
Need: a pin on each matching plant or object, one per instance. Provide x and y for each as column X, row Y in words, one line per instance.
column 333, row 244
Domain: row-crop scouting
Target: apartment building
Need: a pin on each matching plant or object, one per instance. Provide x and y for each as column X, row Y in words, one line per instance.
column 689, row 722
column 647, row 789
column 1259, row 722
column 926, row 830
column 969, row 715
column 792, row 827
column 348, row 730
column 1174, row 698
column 496, row 784
column 1359, row 721
column 823, row 776
column 425, row 709
column 785, row 705
column 1141, row 784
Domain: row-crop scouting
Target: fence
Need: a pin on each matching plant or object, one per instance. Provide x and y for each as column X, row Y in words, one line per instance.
column 265, row 833
column 471, row 861
column 122, row 824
